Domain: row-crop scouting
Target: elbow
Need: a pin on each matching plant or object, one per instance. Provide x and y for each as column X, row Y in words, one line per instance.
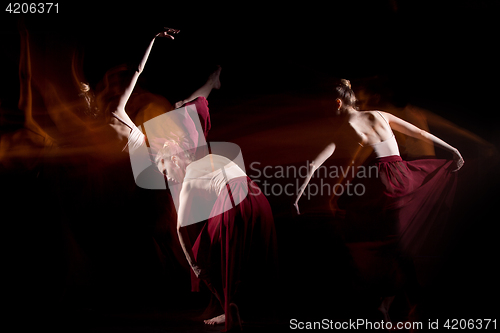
column 330, row 149
column 424, row 135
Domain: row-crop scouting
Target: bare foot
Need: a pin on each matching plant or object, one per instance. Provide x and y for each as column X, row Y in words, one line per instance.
column 216, row 320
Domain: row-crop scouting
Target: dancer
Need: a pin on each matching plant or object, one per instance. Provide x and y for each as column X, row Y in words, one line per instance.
column 360, row 129
column 235, row 251
column 403, row 205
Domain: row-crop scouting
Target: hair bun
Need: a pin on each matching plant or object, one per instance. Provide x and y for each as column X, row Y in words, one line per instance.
column 346, row 83
column 84, row 87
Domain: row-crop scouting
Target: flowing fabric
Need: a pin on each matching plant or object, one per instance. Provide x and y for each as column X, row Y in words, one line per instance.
column 201, row 104
column 238, row 248
column 401, row 215
column 202, row 110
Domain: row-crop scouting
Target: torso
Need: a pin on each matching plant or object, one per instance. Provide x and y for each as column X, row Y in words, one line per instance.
column 121, row 125
column 125, row 130
column 206, row 173
column 369, row 127
column 122, row 131
column 360, row 129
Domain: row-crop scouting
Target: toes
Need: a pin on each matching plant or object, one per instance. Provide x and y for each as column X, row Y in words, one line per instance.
column 215, row 321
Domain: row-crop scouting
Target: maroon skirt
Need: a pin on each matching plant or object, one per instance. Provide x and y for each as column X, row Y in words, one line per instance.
column 238, row 249
column 201, row 105
column 402, row 214
column 408, row 201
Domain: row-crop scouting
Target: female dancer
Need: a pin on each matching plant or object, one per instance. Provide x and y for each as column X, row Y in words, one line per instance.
column 235, row 251
column 119, row 133
column 402, row 199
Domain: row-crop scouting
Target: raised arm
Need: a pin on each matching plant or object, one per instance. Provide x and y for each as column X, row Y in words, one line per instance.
column 313, row 166
column 133, row 80
column 212, row 82
column 406, row 128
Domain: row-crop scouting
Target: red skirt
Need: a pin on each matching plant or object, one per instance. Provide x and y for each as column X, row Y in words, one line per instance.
column 201, row 105
column 404, row 200
column 401, row 214
column 238, row 249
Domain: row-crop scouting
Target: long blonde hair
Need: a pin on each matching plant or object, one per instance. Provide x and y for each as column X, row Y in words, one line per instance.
column 170, row 148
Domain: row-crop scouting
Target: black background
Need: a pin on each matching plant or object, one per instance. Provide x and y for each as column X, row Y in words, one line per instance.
column 442, row 54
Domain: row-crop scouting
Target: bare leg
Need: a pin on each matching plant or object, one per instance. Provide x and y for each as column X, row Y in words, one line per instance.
column 221, row 319
column 213, row 82
column 384, row 307
column 236, row 314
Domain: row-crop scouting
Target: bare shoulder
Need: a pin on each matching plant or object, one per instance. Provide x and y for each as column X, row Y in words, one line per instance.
column 371, row 115
column 381, row 115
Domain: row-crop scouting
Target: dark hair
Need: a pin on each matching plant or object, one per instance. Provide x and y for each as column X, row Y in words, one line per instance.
column 344, row 92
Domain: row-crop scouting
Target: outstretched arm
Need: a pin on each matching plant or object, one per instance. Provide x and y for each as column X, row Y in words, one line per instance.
column 130, row 87
column 313, row 166
column 213, row 82
column 404, row 127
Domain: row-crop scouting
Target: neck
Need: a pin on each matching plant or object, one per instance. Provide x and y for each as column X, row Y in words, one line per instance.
column 350, row 110
column 345, row 112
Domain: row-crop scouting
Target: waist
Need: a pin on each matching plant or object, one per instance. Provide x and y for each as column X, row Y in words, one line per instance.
column 385, row 148
column 388, row 159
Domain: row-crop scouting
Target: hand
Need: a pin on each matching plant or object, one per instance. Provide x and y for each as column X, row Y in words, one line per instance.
column 168, row 33
column 184, row 101
column 179, row 104
column 459, row 161
column 171, row 30
column 200, row 272
column 296, row 205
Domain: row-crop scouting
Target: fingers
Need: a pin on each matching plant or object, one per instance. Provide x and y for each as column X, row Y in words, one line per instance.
column 168, row 33
column 460, row 163
column 165, row 34
column 459, row 160
column 297, row 208
column 171, row 30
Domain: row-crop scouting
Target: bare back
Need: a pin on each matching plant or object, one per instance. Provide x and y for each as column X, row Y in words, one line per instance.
column 366, row 128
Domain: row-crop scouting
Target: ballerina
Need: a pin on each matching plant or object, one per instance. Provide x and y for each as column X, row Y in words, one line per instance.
column 235, row 251
column 407, row 201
